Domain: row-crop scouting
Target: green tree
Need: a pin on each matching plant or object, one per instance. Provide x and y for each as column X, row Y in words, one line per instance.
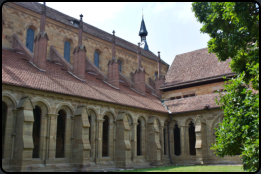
column 234, row 31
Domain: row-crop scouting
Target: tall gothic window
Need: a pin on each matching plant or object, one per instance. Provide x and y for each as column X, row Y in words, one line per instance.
column 30, row 39
column 155, row 74
column 119, row 65
column 36, row 131
column 105, row 137
column 60, row 134
column 4, row 114
column 192, row 139
column 96, row 59
column 139, row 138
column 67, row 47
column 177, row 140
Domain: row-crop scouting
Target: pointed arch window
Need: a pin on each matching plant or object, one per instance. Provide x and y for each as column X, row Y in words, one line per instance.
column 96, row 59
column 119, row 65
column 67, row 47
column 30, row 39
column 155, row 74
column 36, row 131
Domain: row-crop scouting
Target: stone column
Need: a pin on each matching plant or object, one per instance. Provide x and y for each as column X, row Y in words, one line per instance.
column 171, row 138
column 99, row 140
column 182, row 140
column 162, row 141
column 114, row 140
column 134, row 141
column 13, row 133
column 24, row 140
column 201, row 142
column 51, row 139
column 154, row 146
column 123, row 152
column 81, row 151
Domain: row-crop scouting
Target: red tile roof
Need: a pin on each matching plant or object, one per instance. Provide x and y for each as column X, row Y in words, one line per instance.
column 195, row 65
column 192, row 103
column 19, row 72
column 63, row 18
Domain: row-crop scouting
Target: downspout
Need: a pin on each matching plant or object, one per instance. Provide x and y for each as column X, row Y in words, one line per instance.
column 162, row 102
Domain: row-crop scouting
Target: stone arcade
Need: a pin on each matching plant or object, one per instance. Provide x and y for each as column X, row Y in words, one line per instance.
column 75, row 98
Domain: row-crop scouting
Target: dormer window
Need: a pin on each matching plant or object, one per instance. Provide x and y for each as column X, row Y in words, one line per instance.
column 75, row 23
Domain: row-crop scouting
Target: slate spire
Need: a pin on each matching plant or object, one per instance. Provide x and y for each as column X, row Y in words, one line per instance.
column 143, row 33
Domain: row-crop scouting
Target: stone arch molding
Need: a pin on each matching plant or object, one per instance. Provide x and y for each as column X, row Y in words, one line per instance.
column 63, row 105
column 36, row 100
column 188, row 120
column 173, row 123
column 130, row 115
column 109, row 113
column 91, row 108
column 9, row 97
column 143, row 120
column 218, row 116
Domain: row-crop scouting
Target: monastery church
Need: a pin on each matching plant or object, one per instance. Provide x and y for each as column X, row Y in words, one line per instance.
column 76, row 98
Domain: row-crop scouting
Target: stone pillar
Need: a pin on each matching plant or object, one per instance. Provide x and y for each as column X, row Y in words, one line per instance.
column 139, row 81
column 134, row 142
column 154, row 147
column 113, row 73
column 182, row 140
column 81, row 151
column 201, row 140
column 24, row 140
column 98, row 140
column 162, row 141
column 171, row 138
column 13, row 133
column 123, row 146
column 51, row 139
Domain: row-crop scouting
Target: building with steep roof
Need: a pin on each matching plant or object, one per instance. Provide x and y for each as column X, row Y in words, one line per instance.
column 75, row 98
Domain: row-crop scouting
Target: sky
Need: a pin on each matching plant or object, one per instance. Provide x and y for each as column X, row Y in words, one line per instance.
column 172, row 27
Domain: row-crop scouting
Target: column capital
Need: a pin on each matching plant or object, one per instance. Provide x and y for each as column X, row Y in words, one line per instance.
column 51, row 114
column 99, row 120
column 135, row 124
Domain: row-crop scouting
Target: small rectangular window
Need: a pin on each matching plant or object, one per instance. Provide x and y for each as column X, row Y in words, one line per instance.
column 172, row 98
column 185, row 96
column 192, row 95
column 179, row 97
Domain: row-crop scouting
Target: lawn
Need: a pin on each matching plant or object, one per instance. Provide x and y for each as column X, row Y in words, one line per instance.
column 196, row 168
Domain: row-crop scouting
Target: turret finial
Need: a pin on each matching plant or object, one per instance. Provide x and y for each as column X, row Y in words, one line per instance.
column 81, row 17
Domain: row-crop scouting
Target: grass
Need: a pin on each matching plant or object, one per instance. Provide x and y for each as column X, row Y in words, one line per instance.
column 195, row 168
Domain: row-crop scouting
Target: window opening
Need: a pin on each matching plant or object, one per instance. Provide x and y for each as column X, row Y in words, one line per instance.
column 105, row 137
column 139, row 138
column 177, row 150
column 67, row 47
column 96, row 59
column 30, row 39
column 192, row 139
column 60, row 134
column 36, row 131
column 4, row 115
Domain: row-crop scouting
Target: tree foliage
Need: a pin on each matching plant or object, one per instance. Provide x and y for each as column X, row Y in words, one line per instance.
column 234, row 31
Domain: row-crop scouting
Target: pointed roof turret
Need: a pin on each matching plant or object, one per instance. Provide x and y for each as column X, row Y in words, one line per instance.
column 143, row 31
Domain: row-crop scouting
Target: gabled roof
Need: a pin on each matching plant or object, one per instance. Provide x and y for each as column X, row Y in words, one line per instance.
column 192, row 103
column 16, row 70
column 63, row 18
column 195, row 65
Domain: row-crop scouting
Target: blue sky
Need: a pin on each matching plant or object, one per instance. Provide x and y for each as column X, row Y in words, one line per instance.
column 172, row 27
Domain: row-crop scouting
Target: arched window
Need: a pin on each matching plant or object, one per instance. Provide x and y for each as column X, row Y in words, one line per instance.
column 67, row 47
column 60, row 134
column 96, row 59
column 155, row 74
column 89, row 117
column 139, row 138
column 30, row 39
column 119, row 65
column 105, row 136
column 4, row 115
column 36, row 131
column 192, row 139
column 177, row 140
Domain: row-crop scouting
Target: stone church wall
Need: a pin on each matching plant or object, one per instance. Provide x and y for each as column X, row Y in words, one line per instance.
column 18, row 20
